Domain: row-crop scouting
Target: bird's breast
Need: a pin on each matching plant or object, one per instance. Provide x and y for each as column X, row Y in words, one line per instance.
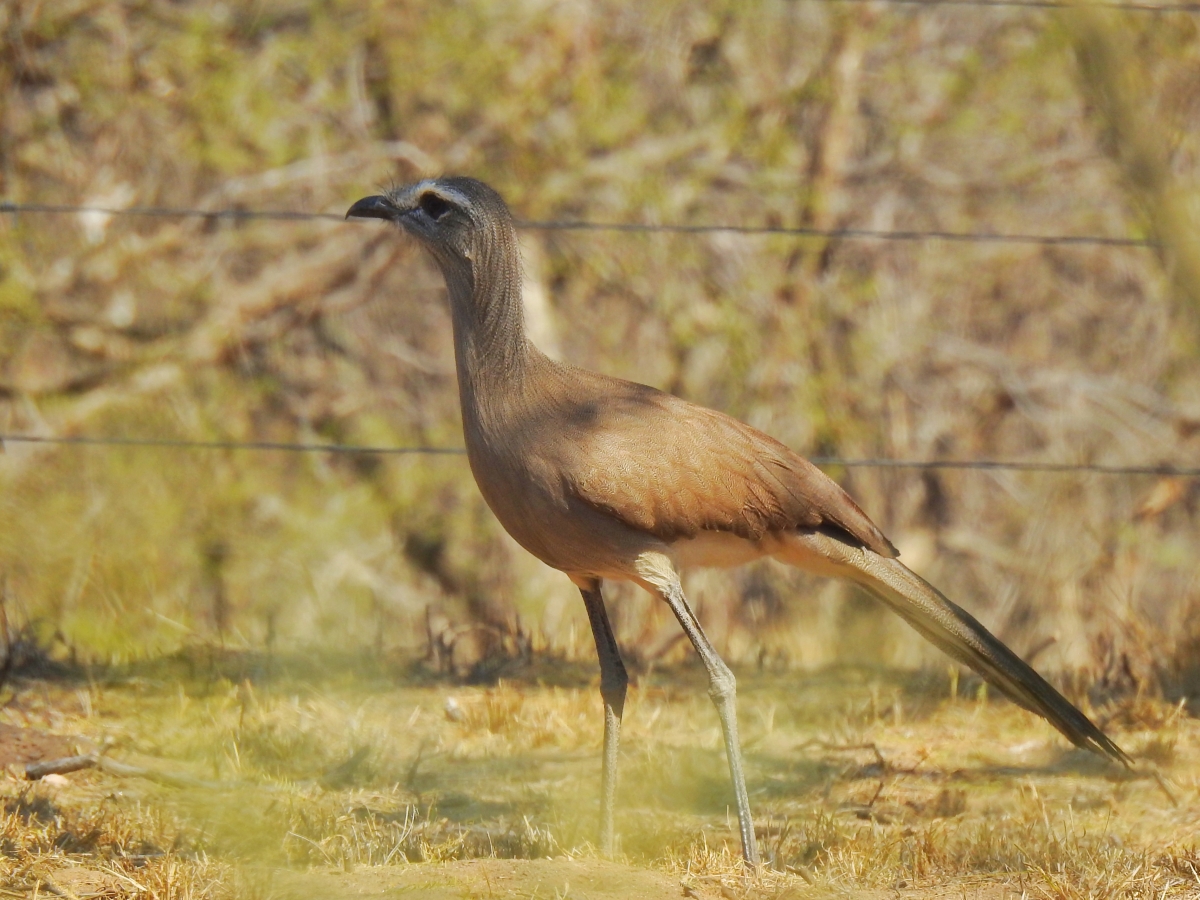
column 528, row 494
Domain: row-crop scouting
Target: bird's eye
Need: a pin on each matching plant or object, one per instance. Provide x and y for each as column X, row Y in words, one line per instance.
column 433, row 206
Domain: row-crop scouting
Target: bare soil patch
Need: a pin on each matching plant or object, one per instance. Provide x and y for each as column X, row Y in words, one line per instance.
column 20, row 745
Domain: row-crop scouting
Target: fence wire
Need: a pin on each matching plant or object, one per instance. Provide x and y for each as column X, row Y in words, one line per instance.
column 907, row 234
column 1045, row 4
column 1163, row 470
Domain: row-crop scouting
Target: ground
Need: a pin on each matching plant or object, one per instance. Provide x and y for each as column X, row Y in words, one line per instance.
column 264, row 779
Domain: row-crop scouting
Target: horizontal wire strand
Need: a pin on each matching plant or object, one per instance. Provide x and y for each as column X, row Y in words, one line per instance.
column 10, row 208
column 171, row 444
column 876, row 463
column 1045, row 4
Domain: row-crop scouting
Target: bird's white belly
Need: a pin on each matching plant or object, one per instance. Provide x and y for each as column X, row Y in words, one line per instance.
column 716, row 549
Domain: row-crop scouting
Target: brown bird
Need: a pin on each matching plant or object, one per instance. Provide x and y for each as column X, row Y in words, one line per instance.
column 607, row 479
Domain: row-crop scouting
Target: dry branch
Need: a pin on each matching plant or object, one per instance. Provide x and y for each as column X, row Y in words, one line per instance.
column 37, row 771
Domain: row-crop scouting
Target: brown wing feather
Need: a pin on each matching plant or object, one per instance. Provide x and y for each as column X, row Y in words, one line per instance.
column 673, row 469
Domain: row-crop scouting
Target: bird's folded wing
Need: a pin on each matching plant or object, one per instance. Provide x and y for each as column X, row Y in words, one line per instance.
column 673, row 469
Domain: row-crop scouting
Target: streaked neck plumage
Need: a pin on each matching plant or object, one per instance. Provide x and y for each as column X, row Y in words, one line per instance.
column 492, row 353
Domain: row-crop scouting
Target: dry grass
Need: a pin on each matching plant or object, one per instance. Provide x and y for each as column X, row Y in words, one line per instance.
column 87, row 844
column 860, row 781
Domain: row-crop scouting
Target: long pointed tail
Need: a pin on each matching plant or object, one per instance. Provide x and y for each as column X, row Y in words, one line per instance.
column 953, row 630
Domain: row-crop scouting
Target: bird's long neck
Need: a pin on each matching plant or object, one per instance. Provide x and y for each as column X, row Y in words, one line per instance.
column 492, row 354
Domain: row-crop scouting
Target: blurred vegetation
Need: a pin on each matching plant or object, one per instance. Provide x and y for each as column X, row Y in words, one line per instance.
column 768, row 113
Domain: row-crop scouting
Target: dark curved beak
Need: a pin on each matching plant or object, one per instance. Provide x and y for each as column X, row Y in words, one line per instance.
column 377, row 207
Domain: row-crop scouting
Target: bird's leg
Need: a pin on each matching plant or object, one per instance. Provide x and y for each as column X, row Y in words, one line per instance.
column 613, row 682
column 722, row 687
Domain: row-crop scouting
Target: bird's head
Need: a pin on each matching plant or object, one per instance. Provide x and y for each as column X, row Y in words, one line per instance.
column 458, row 219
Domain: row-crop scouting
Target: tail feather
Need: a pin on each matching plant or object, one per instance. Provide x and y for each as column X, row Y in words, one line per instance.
column 954, row 631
